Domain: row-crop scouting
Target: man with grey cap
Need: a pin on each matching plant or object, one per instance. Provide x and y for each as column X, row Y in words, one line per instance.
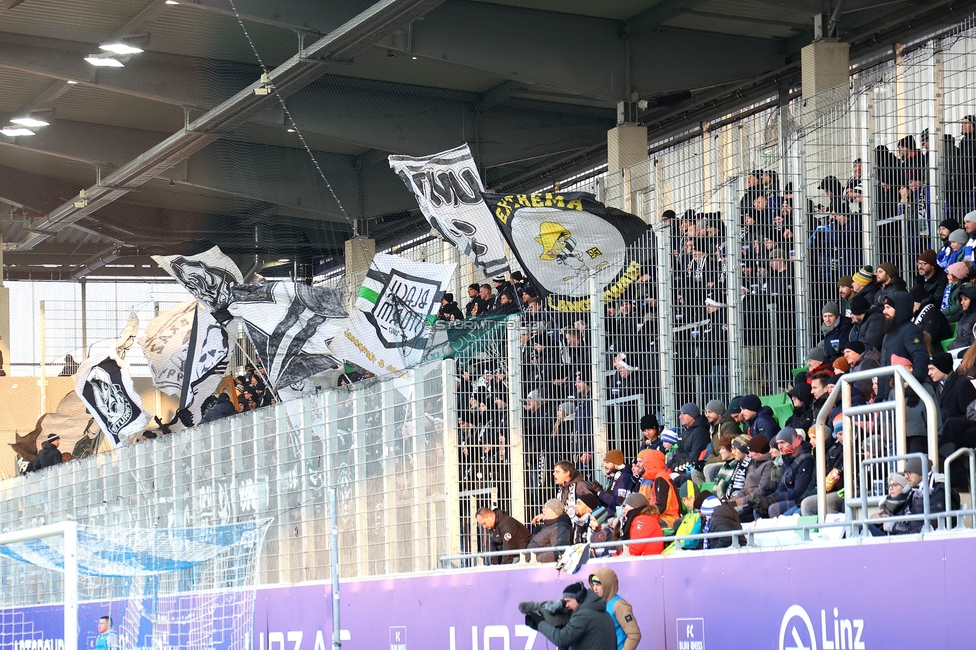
column 835, row 330
column 799, row 471
column 969, row 225
column 693, row 440
column 557, row 530
column 589, row 628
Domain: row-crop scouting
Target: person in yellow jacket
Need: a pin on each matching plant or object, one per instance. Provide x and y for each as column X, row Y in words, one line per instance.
column 604, row 583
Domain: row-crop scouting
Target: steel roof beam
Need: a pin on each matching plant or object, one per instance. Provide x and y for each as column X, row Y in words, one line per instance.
column 305, row 67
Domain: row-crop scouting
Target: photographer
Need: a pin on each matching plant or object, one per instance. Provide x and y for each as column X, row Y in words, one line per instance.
column 589, row 628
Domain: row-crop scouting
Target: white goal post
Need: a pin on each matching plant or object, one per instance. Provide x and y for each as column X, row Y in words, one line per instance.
column 69, row 531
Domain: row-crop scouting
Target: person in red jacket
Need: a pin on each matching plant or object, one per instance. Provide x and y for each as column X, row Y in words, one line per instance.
column 641, row 522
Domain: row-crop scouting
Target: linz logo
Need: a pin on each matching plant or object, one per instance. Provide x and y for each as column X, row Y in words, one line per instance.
column 797, row 632
column 401, row 311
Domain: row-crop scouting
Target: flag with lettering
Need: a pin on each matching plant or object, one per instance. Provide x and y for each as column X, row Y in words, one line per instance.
column 290, row 325
column 563, row 239
column 395, row 311
column 449, row 192
column 105, row 386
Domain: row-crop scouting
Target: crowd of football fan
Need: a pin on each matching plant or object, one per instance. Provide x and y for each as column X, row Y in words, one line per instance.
column 732, row 459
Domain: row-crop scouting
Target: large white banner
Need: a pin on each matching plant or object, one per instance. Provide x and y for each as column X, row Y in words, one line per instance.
column 188, row 352
column 448, row 191
column 105, row 387
column 291, row 325
column 395, row 311
column 207, row 274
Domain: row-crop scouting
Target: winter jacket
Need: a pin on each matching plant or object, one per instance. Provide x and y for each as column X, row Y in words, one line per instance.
column 896, row 285
column 764, row 423
column 625, row 625
column 222, row 408
column 619, row 485
column 870, row 331
column 723, row 478
column 568, row 494
column 964, row 329
column 724, row 427
column 691, row 444
column 657, row 487
column 904, row 340
column 555, row 532
column 835, row 339
column 933, row 286
column 508, row 534
column 724, row 518
column 47, row 456
column 954, row 395
column 931, row 321
column 798, row 472
column 640, row 525
column 759, row 479
column 867, row 361
column 589, row 628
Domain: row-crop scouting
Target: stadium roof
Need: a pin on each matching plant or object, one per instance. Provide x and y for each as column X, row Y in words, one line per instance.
column 175, row 145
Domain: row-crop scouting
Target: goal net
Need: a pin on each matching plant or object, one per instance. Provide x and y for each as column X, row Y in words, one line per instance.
column 160, row 588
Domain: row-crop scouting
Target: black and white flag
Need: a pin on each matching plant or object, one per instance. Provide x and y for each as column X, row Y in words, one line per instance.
column 205, row 272
column 105, row 386
column 565, row 241
column 449, row 192
column 290, row 325
column 395, row 311
column 188, row 352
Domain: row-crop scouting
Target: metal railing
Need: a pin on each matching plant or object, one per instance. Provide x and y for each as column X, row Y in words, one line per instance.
column 392, row 458
column 926, row 509
column 852, row 438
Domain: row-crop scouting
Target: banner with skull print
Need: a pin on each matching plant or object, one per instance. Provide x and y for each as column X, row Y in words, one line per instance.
column 395, row 312
column 188, row 352
column 205, row 272
column 290, row 325
column 564, row 241
column 448, row 190
column 105, row 387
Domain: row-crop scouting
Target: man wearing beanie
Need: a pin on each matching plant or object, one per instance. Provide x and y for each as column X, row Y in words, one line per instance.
column 835, row 330
column 449, row 310
column 867, row 322
column 864, row 284
column 619, row 481
column 758, row 419
column 860, row 357
column 954, row 250
column 720, row 423
column 953, row 394
column 797, row 476
column 931, row 277
column 904, row 339
column 473, row 299
column 890, row 281
column 589, row 627
column 759, row 479
column 641, row 521
column 693, row 441
column 650, row 433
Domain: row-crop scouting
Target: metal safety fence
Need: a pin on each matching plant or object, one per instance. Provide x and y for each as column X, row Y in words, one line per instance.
column 389, row 449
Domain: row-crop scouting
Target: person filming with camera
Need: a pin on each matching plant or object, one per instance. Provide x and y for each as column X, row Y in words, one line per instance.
column 590, row 627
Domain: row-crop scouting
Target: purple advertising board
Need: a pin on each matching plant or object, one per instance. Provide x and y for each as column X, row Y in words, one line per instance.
column 880, row 593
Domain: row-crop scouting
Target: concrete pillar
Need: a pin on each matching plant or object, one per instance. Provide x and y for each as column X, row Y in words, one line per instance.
column 626, row 146
column 824, row 65
column 4, row 319
column 359, row 255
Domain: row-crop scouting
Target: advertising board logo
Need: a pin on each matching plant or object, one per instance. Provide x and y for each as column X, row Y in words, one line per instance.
column 797, row 632
column 398, row 637
column 691, row 633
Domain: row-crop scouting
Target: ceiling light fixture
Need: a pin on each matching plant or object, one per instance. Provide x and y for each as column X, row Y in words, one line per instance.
column 120, row 48
column 290, row 130
column 72, row 82
column 103, row 61
column 32, row 122
column 172, row 2
column 13, row 132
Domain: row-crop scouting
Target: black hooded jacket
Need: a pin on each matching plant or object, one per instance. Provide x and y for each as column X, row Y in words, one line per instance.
column 905, row 340
column 221, row 409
